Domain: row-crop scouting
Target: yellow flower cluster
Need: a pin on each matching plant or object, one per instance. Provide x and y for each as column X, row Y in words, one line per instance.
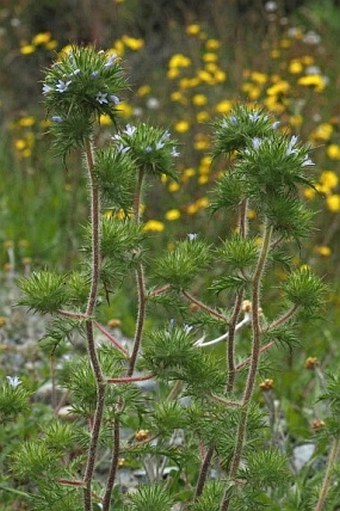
column 41, row 40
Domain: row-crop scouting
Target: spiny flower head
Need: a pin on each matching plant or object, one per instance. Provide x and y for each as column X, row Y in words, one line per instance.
column 85, row 81
column 150, row 147
column 243, row 123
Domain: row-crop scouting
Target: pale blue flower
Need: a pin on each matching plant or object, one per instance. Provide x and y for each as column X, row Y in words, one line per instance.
column 110, row 60
column 166, row 135
column 291, row 149
column 46, row 89
column 94, row 74
column 102, row 98
column 129, row 130
column 121, row 148
column 57, row 119
column 114, row 99
column 174, row 153
column 14, row 381
column 256, row 141
column 254, row 116
column 192, row 236
column 159, row 145
column 148, row 149
column 275, row 125
column 75, row 72
column 62, row 86
column 307, row 162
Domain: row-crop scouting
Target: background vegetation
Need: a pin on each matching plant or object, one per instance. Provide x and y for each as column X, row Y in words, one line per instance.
column 187, row 62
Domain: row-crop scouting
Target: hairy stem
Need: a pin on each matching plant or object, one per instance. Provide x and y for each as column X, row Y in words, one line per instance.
column 230, row 355
column 255, row 355
column 136, row 346
column 142, row 299
column 333, row 456
column 231, row 342
column 91, row 348
column 205, row 307
column 113, row 467
column 203, row 472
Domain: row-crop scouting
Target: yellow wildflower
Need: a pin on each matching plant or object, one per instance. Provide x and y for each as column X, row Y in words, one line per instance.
column 105, row 120
column 296, row 120
column 204, row 76
column 323, row 132
column 259, row 78
column 153, row 226
column 201, row 142
column 26, row 122
column 272, row 104
column 182, row 126
column 51, row 45
column 333, row 203
column 328, row 180
column 173, row 73
column 323, row 250
column 118, row 48
column 41, row 38
column 309, row 193
column 202, row 180
column 173, row 187
column 220, row 76
column 133, row 43
column 210, row 57
column 203, row 202
column 251, row 214
column 199, row 99
column 125, row 109
column 188, row 83
column 280, row 87
column 193, row 29
column 114, row 323
column 188, row 173
column 267, row 384
column 295, row 67
column 3, row 321
column 172, row 214
column 143, row 90
column 316, row 81
column 211, row 67
column 20, row 144
column 179, row 60
column 26, row 153
column 202, row 116
column 252, row 91
column 333, row 152
column 307, row 60
column 192, row 209
column 178, row 96
column 27, row 49
column 223, row 107
column 305, row 267
column 212, row 44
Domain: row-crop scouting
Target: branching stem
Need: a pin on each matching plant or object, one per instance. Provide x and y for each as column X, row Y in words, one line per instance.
column 333, row 456
column 251, row 378
column 205, row 307
column 91, row 348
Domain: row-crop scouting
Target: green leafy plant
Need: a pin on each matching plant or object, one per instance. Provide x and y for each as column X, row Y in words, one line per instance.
column 206, row 413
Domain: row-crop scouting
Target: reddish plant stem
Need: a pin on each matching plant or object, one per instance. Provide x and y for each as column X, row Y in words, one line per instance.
column 111, row 338
column 205, row 307
column 114, row 465
column 233, row 404
column 231, row 342
column 230, row 354
column 136, row 346
column 203, row 472
column 283, row 319
column 130, row 379
column 251, row 378
column 332, row 459
column 159, row 291
column 72, row 315
column 91, row 348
